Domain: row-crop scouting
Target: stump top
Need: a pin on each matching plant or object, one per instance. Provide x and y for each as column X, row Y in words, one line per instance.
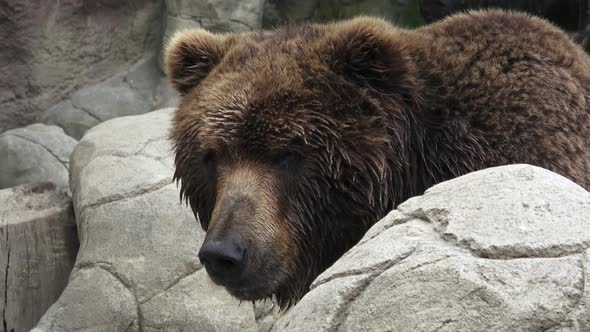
column 30, row 202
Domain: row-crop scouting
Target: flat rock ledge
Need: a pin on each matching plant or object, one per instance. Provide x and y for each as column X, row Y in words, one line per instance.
column 503, row 249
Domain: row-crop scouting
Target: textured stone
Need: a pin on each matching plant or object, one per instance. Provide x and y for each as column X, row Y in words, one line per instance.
column 502, row 249
column 522, row 212
column 103, row 302
column 183, row 307
column 38, row 246
column 138, row 90
column 144, row 77
column 321, row 309
column 48, row 49
column 134, row 229
column 279, row 12
column 110, row 99
column 166, row 96
column 35, row 153
column 266, row 313
column 74, row 121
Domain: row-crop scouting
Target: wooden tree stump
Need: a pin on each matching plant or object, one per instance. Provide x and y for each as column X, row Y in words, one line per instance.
column 38, row 247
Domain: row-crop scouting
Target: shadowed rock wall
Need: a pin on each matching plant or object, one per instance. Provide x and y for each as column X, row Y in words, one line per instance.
column 48, row 48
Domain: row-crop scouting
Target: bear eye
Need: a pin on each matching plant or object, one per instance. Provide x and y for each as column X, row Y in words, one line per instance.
column 210, row 163
column 287, row 162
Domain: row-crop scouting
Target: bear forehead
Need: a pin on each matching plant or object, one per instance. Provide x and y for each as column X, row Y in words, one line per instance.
column 255, row 120
column 265, row 91
column 297, row 45
column 274, row 88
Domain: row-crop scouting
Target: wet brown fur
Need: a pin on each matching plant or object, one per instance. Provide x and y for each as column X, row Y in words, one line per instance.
column 341, row 122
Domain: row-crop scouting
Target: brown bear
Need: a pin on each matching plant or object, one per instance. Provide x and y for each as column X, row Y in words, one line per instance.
column 290, row 143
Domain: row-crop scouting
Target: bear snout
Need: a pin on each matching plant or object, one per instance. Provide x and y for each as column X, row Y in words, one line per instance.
column 224, row 260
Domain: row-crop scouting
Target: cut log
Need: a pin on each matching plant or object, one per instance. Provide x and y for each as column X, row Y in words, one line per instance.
column 38, row 247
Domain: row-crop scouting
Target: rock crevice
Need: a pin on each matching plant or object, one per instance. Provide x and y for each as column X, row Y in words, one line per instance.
column 7, row 268
column 361, row 286
column 60, row 160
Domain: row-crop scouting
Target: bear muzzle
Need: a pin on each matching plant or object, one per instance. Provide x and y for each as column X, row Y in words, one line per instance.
column 224, row 260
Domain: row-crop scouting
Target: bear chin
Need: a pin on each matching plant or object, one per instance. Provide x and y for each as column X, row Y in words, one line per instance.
column 245, row 291
column 250, row 294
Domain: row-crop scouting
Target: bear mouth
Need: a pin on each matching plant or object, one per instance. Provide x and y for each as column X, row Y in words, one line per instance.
column 249, row 293
column 244, row 291
column 245, row 288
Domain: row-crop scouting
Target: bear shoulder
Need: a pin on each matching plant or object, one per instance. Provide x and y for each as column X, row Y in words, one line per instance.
column 498, row 35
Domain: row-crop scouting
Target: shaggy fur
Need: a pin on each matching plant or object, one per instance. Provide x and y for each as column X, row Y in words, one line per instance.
column 293, row 142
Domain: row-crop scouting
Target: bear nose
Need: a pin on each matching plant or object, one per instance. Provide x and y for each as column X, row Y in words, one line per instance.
column 223, row 259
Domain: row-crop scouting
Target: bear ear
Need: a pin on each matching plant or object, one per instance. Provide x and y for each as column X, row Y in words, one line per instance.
column 191, row 55
column 368, row 51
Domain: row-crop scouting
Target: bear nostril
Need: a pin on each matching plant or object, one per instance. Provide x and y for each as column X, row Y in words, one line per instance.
column 226, row 263
column 223, row 259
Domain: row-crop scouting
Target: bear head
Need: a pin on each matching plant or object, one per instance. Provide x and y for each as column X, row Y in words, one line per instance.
column 289, row 144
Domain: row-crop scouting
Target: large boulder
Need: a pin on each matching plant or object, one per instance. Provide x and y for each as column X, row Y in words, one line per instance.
column 50, row 48
column 35, row 153
column 503, row 249
column 38, row 246
column 137, row 268
column 137, row 90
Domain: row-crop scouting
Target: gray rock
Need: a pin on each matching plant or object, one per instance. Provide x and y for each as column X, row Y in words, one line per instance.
column 524, row 212
column 104, row 302
column 137, row 241
column 247, row 13
column 166, row 96
column 175, row 310
column 144, row 77
column 213, row 15
column 405, row 13
column 266, row 313
column 74, row 121
column 135, row 91
column 51, row 48
column 110, row 99
column 502, row 249
column 38, row 246
column 33, row 154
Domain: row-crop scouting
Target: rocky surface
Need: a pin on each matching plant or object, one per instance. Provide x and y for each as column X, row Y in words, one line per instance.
column 48, row 49
column 38, row 246
column 137, row 268
column 266, row 313
column 503, row 249
column 140, row 89
column 35, row 153
column 213, row 15
column 279, row 12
